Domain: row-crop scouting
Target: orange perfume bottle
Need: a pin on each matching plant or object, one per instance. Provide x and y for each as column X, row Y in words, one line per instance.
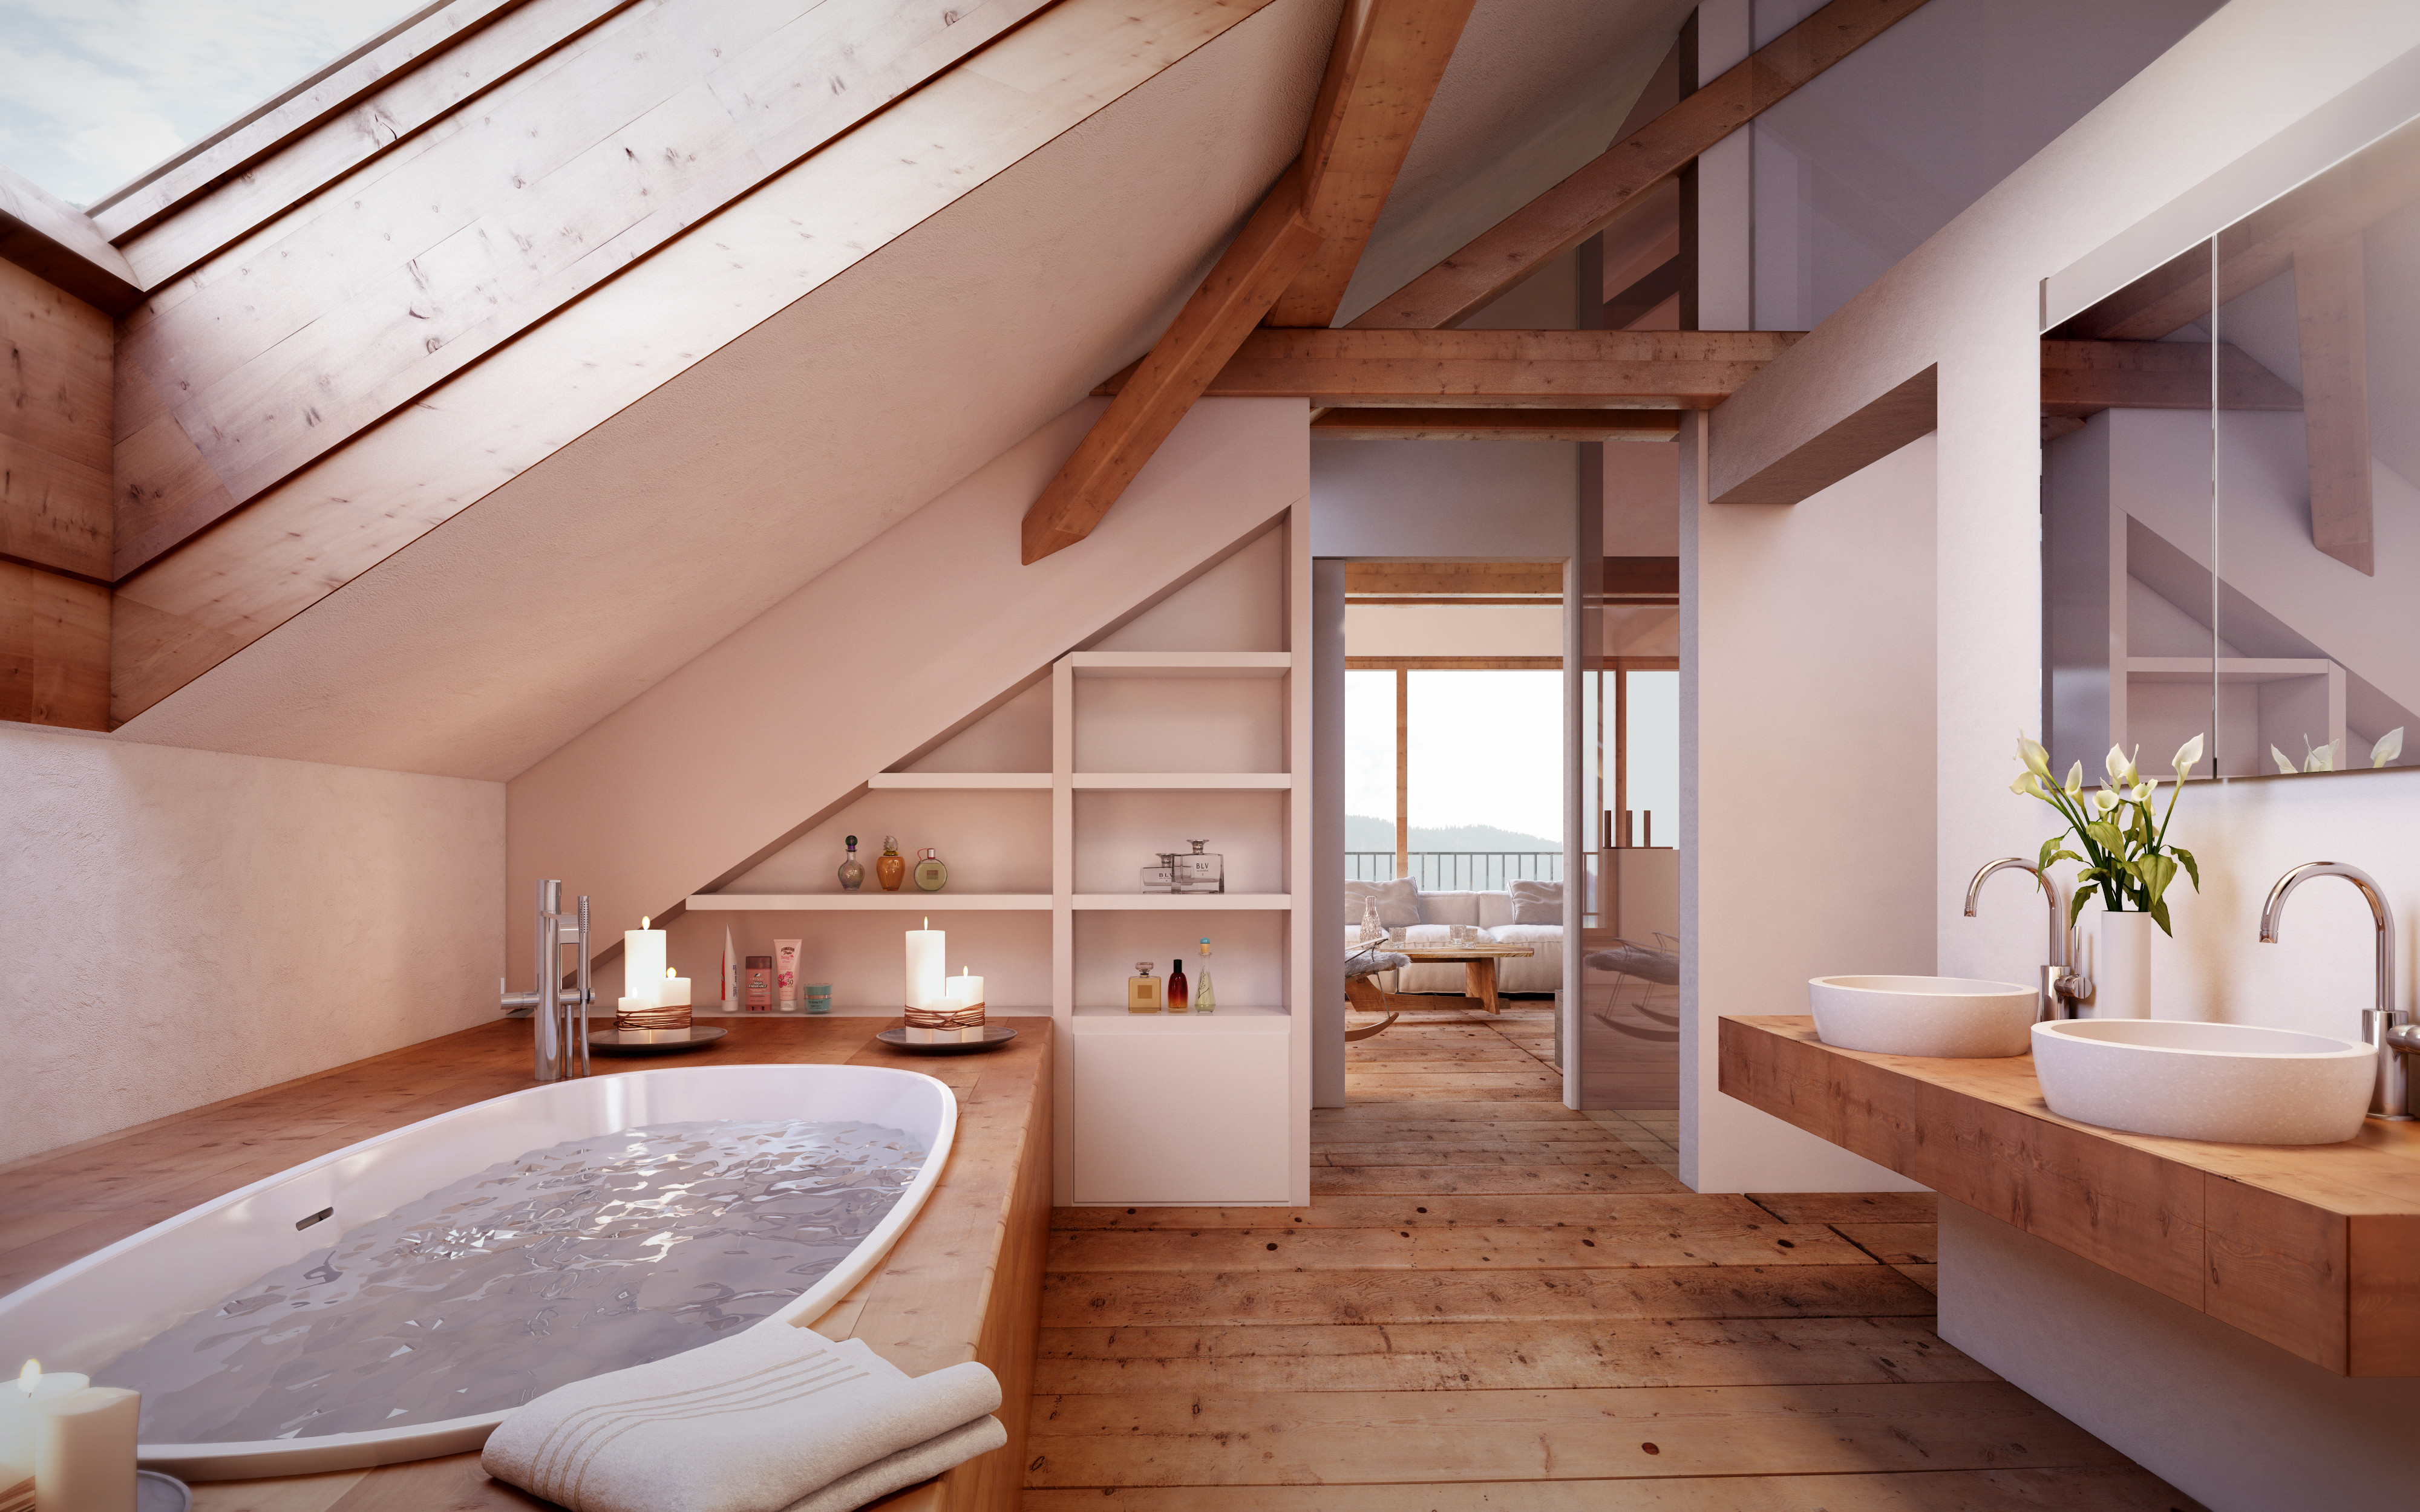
column 890, row 868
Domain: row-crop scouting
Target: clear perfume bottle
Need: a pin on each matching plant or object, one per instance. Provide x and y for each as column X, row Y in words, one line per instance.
column 1206, row 1000
column 1179, row 990
column 1370, row 932
column 852, row 871
column 1143, row 990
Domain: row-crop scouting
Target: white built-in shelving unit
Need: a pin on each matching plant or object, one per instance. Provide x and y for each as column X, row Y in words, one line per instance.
column 1148, row 749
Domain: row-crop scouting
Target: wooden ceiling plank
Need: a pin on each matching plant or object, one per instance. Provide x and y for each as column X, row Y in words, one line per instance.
column 2082, row 377
column 1497, row 425
column 1494, row 579
column 1359, row 139
column 2329, row 306
column 1588, row 201
column 1485, row 369
column 58, row 244
column 1370, row 94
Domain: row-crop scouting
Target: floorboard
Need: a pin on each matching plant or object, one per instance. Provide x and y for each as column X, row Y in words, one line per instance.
column 1495, row 1304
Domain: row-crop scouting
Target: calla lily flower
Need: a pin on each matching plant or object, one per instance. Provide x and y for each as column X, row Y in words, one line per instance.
column 2188, row 757
column 2026, row 785
column 2284, row 767
column 2030, row 752
column 2122, row 769
column 2323, row 759
column 2389, row 746
column 2104, row 800
column 2075, row 780
column 2141, row 792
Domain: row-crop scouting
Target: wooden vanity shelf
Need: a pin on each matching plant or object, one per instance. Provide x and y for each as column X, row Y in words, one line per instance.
column 2314, row 1248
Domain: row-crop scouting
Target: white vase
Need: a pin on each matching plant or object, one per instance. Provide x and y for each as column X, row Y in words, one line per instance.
column 2121, row 976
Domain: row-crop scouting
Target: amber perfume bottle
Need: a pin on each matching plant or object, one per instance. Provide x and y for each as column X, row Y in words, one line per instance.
column 1143, row 990
column 852, row 870
column 890, row 868
column 932, row 872
column 1180, row 995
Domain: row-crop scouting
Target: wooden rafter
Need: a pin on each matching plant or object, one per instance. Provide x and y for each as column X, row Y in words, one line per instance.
column 1546, row 370
column 1585, row 203
column 1497, row 425
column 1456, row 580
column 2082, row 377
column 2329, row 305
column 1373, row 91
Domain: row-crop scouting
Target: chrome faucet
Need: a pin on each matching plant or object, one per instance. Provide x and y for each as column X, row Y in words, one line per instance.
column 2060, row 987
column 560, row 1018
column 2383, row 1026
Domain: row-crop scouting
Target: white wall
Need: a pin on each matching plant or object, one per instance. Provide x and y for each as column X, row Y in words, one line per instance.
column 1806, row 811
column 185, row 926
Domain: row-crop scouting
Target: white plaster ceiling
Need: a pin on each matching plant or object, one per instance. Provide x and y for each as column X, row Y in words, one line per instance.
column 520, row 622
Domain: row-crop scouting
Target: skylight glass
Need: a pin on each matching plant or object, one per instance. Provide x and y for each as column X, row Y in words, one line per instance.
column 93, row 93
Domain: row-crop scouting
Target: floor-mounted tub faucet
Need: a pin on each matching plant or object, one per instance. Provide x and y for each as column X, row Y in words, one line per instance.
column 2061, row 985
column 2382, row 1025
column 561, row 1026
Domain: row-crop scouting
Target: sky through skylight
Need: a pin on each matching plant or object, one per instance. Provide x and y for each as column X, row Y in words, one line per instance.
column 95, row 92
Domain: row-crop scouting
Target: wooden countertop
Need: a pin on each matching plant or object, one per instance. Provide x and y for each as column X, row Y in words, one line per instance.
column 963, row 1283
column 2315, row 1248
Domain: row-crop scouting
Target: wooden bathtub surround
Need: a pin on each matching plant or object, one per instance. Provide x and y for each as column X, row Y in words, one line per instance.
column 2315, row 1249
column 964, row 1281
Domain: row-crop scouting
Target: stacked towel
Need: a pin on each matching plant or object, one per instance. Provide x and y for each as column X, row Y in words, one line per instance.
column 771, row 1418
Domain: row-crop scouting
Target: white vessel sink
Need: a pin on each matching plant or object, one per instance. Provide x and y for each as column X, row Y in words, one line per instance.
column 2234, row 1083
column 1956, row 1017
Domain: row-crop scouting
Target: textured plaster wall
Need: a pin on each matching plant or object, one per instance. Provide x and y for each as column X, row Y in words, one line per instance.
column 183, row 926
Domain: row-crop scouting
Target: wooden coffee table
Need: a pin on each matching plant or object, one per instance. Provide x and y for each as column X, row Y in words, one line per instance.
column 1478, row 977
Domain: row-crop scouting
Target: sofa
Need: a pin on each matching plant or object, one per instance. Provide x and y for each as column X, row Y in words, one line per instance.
column 1419, row 918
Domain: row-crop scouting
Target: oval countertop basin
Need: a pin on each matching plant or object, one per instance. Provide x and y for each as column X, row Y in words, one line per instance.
column 2232, row 1083
column 1952, row 1017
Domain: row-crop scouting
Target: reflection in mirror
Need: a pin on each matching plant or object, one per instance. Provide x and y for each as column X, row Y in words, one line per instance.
column 2231, row 489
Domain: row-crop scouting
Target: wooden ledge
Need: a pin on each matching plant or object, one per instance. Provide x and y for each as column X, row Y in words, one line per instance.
column 2315, row 1249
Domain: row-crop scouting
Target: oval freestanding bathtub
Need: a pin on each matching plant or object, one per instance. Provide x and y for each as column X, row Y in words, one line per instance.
column 125, row 1296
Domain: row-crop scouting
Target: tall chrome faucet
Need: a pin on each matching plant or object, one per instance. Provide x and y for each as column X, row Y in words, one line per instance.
column 2060, row 986
column 560, row 1020
column 2383, row 1026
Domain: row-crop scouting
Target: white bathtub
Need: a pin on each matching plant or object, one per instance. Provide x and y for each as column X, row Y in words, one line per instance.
column 92, row 1311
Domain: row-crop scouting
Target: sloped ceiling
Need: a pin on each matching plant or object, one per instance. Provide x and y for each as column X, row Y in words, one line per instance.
column 520, row 622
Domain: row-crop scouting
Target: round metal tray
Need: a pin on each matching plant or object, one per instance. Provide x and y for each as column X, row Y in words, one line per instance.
column 995, row 1035
column 662, row 1041
column 155, row 1492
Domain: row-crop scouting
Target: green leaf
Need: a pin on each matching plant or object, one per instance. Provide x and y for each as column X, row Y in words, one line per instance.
column 2160, row 917
column 2105, row 835
column 2185, row 858
column 2075, row 905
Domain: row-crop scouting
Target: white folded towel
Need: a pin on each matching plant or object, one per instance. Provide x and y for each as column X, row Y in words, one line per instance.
column 771, row 1418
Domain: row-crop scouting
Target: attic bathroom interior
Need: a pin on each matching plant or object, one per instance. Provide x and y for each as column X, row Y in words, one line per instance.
column 1274, row 754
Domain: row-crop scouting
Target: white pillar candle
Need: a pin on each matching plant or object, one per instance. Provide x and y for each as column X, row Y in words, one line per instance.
column 18, row 1400
column 673, row 992
column 927, row 964
column 84, row 1450
column 643, row 961
column 966, row 989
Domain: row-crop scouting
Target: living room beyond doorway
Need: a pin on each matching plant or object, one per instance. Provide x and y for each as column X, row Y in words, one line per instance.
column 1465, row 890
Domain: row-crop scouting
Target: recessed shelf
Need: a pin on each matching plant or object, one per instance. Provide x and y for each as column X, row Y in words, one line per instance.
column 904, row 902
column 958, row 781
column 1109, row 1019
column 1140, row 781
column 1183, row 901
column 1180, row 663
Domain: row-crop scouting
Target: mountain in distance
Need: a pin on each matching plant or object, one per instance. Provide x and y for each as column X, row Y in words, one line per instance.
column 1363, row 833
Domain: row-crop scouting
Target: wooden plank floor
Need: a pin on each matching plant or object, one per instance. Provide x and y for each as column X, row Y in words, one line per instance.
column 1496, row 1304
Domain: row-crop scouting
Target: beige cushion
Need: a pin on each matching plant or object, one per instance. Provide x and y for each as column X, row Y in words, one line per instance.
column 1537, row 902
column 1495, row 908
column 1541, row 972
column 1449, row 908
column 1399, row 901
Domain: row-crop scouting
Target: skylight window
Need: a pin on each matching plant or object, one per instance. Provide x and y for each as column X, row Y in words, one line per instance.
column 94, row 92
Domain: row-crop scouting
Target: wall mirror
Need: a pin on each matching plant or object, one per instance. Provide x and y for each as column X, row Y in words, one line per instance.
column 2231, row 491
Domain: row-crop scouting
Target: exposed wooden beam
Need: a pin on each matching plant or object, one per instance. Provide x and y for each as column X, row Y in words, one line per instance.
column 1457, row 578
column 1583, row 204
column 1632, row 304
column 2329, row 313
column 1382, row 51
column 1498, row 369
column 1255, row 268
column 55, row 410
column 2082, row 377
column 1863, row 437
column 54, row 649
column 1360, row 137
column 1635, row 578
column 55, row 243
column 2365, row 189
column 1399, row 424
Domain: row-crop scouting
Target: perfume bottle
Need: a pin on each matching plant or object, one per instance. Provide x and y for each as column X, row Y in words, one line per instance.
column 1370, row 932
column 1143, row 990
column 852, row 871
column 1206, row 1000
column 932, row 874
column 1179, row 990
column 890, row 868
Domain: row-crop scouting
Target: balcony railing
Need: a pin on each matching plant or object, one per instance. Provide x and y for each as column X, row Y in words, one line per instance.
column 1458, row 870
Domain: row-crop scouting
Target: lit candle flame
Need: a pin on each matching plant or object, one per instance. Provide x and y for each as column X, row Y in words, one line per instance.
column 669, row 974
column 29, row 1376
column 643, row 922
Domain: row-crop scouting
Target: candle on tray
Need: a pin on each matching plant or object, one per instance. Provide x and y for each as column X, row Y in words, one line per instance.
column 643, row 961
column 966, row 989
column 84, row 1450
column 18, row 1400
column 927, row 955
column 673, row 992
